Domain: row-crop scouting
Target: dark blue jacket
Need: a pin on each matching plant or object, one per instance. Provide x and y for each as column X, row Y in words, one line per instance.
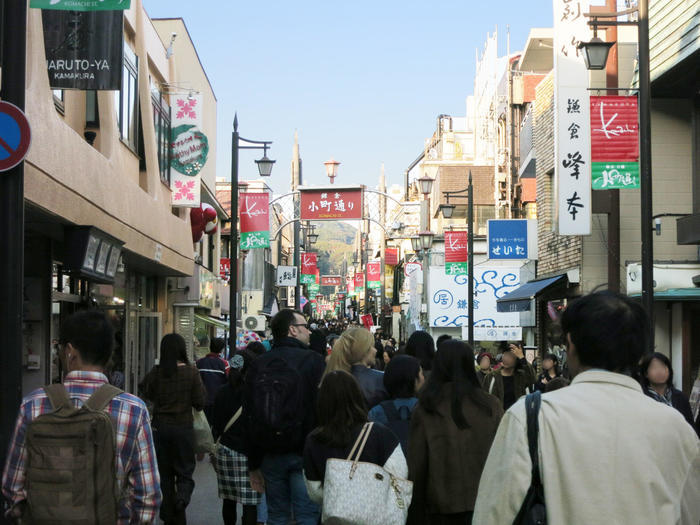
column 372, row 384
column 212, row 370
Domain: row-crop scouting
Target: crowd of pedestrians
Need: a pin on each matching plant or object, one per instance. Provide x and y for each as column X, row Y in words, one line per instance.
column 327, row 422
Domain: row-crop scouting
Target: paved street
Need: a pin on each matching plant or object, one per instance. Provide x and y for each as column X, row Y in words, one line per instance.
column 205, row 507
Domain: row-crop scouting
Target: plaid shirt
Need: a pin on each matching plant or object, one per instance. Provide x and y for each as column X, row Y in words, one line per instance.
column 137, row 469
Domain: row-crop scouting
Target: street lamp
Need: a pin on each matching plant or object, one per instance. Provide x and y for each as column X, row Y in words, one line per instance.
column 447, row 210
column 426, row 239
column 265, row 169
column 426, row 185
column 312, row 237
column 415, row 243
column 331, row 168
column 594, row 53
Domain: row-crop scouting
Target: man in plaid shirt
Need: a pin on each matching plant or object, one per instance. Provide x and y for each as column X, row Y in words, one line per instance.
column 86, row 340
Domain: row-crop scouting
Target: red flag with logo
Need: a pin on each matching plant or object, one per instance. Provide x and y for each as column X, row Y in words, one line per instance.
column 391, row 256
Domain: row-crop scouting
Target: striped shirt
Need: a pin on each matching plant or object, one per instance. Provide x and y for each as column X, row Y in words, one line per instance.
column 137, row 469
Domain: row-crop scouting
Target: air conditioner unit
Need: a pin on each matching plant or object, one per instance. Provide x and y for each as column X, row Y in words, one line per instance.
column 254, row 322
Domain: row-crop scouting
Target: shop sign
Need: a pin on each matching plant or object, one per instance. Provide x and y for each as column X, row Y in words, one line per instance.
column 82, row 5
column 313, row 288
column 254, row 220
column 572, row 124
column 494, row 333
column 331, row 280
column 391, row 256
column 224, row 268
column 374, row 274
column 614, row 142
column 456, row 252
column 359, row 280
column 75, row 57
column 331, row 204
column 286, row 276
column 308, row 267
column 512, row 239
column 189, row 149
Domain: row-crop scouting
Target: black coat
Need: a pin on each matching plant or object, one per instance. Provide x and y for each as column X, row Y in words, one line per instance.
column 371, row 383
column 680, row 402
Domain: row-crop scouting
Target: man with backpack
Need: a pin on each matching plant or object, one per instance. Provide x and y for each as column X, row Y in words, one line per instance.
column 82, row 452
column 279, row 405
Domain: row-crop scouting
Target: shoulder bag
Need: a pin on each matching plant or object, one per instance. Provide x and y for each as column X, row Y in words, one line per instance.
column 358, row 493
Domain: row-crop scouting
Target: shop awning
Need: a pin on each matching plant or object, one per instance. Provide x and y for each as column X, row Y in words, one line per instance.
column 519, row 300
column 675, row 294
column 212, row 320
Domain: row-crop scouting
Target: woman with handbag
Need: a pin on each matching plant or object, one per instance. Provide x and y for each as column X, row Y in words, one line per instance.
column 452, row 429
column 354, row 469
column 174, row 388
column 231, row 463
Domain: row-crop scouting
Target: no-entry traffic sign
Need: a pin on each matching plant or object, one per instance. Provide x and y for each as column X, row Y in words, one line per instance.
column 15, row 136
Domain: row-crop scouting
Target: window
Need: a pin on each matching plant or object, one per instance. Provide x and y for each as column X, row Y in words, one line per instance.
column 59, row 100
column 92, row 116
column 161, row 121
column 128, row 99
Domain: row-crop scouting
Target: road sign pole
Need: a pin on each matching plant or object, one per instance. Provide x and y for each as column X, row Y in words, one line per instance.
column 14, row 27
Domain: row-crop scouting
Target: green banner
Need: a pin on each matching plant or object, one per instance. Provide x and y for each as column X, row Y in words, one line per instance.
column 610, row 175
column 456, row 268
column 81, row 5
column 313, row 288
column 374, row 284
column 307, row 278
column 252, row 240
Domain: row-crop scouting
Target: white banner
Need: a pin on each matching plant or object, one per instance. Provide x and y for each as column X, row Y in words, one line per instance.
column 448, row 297
column 189, row 149
column 286, row 276
column 572, row 129
column 495, row 333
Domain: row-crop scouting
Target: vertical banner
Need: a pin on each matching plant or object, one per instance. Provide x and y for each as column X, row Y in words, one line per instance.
column 359, row 281
column 391, row 256
column 254, row 209
column 225, row 268
column 572, row 125
column 614, row 142
column 189, row 149
column 84, row 49
column 374, row 274
column 308, row 268
column 456, row 253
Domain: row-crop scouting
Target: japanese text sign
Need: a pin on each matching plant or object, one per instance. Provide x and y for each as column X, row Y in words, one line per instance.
column 391, row 256
column 571, row 119
column 308, row 267
column 286, row 276
column 224, row 268
column 374, row 274
column 331, row 280
column 456, row 252
column 614, row 142
column 512, row 239
column 255, row 220
column 331, row 203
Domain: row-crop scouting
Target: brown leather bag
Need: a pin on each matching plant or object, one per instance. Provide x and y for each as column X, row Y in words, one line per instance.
column 71, row 462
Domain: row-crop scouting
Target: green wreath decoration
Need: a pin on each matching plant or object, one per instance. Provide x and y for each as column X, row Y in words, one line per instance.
column 194, row 166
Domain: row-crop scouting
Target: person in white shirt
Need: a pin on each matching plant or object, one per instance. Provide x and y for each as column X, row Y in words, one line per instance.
column 608, row 453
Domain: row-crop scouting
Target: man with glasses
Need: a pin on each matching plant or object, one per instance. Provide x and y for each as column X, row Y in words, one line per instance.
column 279, row 406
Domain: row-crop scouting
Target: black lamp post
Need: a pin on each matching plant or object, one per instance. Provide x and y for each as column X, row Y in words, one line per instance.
column 593, row 49
column 265, row 169
column 447, row 212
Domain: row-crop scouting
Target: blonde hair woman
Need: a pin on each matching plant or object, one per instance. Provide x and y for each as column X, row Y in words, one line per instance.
column 353, row 352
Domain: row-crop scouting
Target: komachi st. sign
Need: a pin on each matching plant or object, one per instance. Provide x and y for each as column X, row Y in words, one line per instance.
column 308, row 267
column 456, row 252
column 374, row 274
column 255, row 220
column 331, row 203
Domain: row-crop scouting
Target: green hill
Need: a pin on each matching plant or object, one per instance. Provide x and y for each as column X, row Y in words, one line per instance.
column 336, row 241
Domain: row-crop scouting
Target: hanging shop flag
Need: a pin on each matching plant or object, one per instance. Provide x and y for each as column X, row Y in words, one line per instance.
column 572, row 124
column 225, row 268
column 84, row 49
column 313, row 288
column 331, row 203
column 456, row 253
column 351, row 287
column 614, row 142
column 331, row 280
column 359, row 280
column 391, row 256
column 374, row 274
column 254, row 209
column 308, row 268
column 82, row 5
column 189, row 149
column 367, row 321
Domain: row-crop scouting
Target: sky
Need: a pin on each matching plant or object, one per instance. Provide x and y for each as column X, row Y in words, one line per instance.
column 361, row 81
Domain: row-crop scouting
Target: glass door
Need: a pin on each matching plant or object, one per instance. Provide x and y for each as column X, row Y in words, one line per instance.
column 143, row 350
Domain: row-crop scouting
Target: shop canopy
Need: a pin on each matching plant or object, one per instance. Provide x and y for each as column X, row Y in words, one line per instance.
column 212, row 320
column 520, row 299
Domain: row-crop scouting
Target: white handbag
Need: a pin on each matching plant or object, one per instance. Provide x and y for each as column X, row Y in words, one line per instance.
column 358, row 493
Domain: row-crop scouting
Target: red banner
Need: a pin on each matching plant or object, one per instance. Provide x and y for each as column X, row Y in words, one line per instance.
column 391, row 256
column 331, row 203
column 614, row 129
column 455, row 247
column 331, row 280
column 254, row 209
column 308, row 263
column 367, row 320
column 224, row 267
column 374, row 271
column 359, row 280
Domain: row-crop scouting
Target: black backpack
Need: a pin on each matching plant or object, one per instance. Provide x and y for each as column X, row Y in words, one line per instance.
column 278, row 406
column 399, row 421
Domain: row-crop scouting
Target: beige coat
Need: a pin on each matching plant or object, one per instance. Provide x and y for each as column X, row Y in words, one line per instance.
column 609, row 454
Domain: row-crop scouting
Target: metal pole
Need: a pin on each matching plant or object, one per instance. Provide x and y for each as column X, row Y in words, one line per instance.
column 233, row 245
column 470, row 257
column 297, row 252
column 645, row 166
column 14, row 27
column 612, row 81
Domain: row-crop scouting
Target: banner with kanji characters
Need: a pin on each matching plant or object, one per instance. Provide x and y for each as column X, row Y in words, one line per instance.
column 308, row 267
column 572, row 124
column 224, row 268
column 456, row 252
column 614, row 142
column 254, row 210
column 331, row 204
column 313, row 288
column 374, row 274
column 331, row 280
column 391, row 256
column 189, row 149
